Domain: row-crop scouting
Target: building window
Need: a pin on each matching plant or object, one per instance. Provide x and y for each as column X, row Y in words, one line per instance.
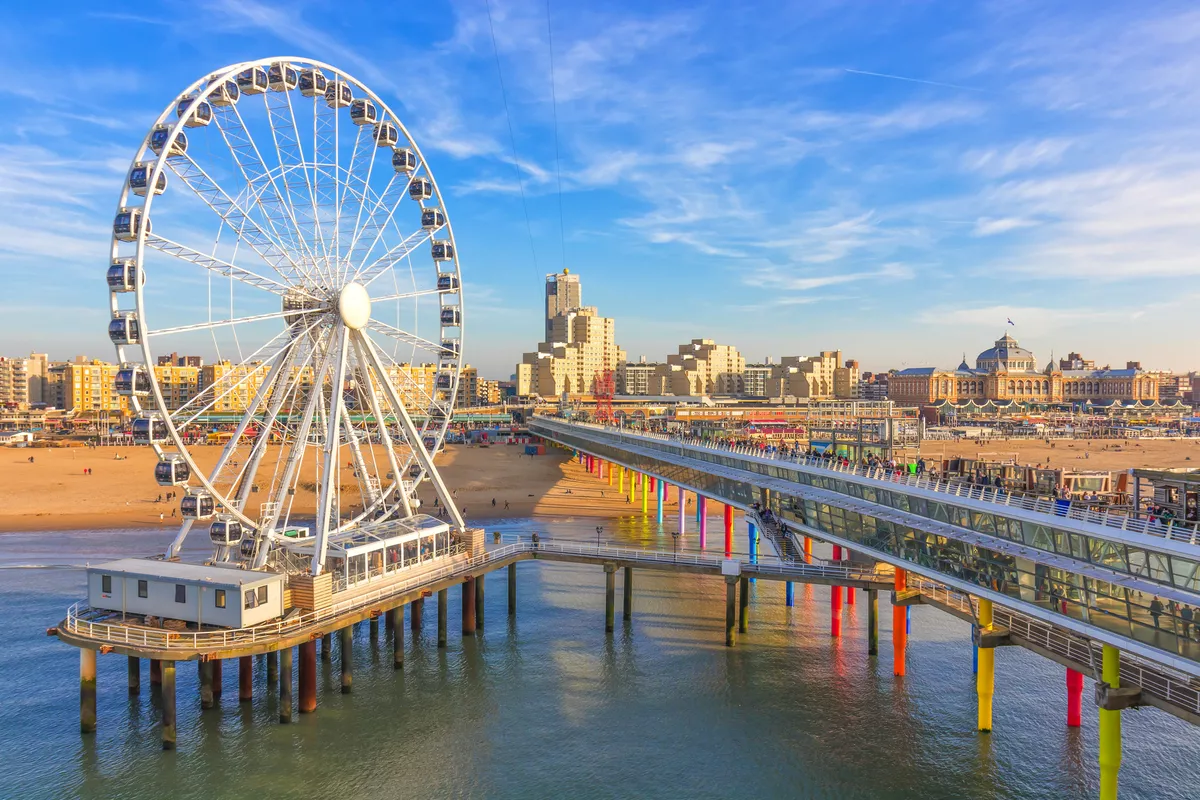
column 262, row 595
column 143, row 588
column 106, row 584
column 180, row 593
column 220, row 598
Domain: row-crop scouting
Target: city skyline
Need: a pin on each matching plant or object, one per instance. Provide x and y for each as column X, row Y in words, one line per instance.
column 931, row 172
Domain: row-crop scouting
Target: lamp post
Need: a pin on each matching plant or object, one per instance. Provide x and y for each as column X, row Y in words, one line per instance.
column 675, row 544
column 599, row 530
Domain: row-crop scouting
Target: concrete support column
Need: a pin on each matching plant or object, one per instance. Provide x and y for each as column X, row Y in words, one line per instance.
column 308, row 677
column 753, row 536
column 728, row 531
column 285, row 685
column 660, row 494
column 373, row 628
column 744, row 605
column 682, row 513
column 396, row 618
column 730, row 604
column 134, row 669
column 87, row 690
column 835, row 601
column 512, row 589
column 610, row 597
column 1074, row 698
column 1110, row 728
column 416, row 614
column 627, row 594
column 206, row 683
column 899, row 631
column 167, row 669
column 872, row 622
column 645, row 497
column 468, row 607
column 985, row 681
column 608, row 473
column 443, row 602
column 807, row 550
column 389, row 623
column 272, row 668
column 245, row 679
column 218, row 677
column 789, row 594
column 702, row 519
column 849, row 589
column 347, row 635
column 326, row 647
column 653, row 484
column 155, row 672
column 479, row 585
column 632, row 487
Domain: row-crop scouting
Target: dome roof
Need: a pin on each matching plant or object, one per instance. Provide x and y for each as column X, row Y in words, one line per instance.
column 1005, row 349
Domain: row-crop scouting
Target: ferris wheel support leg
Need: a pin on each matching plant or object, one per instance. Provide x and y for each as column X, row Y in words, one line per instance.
column 176, row 545
column 410, row 431
column 329, row 485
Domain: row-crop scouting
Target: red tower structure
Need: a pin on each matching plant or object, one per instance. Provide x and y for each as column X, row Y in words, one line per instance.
column 603, row 389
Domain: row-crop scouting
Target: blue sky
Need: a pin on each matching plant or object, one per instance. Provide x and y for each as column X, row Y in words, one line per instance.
column 891, row 179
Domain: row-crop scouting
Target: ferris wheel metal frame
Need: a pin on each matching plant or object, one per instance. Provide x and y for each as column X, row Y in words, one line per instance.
column 325, row 302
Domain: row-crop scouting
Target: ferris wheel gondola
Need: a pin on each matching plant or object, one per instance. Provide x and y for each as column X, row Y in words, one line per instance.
column 286, row 243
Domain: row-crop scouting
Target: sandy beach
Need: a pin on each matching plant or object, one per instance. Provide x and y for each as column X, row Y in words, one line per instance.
column 1079, row 454
column 53, row 493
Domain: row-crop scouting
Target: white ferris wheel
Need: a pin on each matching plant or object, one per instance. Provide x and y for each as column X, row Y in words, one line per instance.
column 280, row 216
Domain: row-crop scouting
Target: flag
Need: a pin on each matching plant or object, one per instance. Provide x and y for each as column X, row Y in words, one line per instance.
column 1010, row 322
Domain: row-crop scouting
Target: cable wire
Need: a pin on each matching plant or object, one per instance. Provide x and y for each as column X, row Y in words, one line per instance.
column 511, row 136
column 562, row 228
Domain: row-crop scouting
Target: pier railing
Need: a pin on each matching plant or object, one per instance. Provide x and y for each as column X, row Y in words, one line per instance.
column 1155, row 679
column 97, row 624
column 1172, row 530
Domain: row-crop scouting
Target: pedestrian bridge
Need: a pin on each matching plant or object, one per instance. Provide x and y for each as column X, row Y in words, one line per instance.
column 1082, row 580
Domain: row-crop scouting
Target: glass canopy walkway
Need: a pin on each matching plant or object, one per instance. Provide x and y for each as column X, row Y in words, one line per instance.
column 1115, row 579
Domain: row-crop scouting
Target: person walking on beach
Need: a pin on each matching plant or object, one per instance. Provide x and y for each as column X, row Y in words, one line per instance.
column 506, row 505
column 493, row 502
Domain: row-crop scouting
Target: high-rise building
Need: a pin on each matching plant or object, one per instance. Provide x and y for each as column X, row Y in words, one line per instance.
column 579, row 345
column 563, row 294
column 178, row 384
column 755, row 378
column 641, row 378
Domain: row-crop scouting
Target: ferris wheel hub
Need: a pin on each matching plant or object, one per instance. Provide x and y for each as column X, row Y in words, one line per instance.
column 354, row 305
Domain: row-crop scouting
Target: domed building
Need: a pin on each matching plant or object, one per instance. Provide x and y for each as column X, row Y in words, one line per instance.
column 1007, row 374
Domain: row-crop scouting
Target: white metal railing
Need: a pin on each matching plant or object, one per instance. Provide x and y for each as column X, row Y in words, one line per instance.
column 1155, row 679
column 89, row 623
column 1173, row 530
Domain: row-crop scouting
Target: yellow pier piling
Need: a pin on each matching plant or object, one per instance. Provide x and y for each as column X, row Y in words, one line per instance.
column 985, row 683
column 1110, row 728
column 645, row 498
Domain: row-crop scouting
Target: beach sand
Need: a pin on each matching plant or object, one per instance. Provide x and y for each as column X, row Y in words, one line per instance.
column 53, row 493
column 1077, row 454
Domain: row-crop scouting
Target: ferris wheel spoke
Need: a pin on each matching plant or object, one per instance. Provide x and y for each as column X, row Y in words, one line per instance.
column 414, row 437
column 261, row 182
column 226, row 387
column 359, row 202
column 297, row 186
column 383, row 265
column 385, row 436
column 407, row 338
column 368, row 232
column 408, row 295
column 223, row 268
column 266, row 245
column 220, row 323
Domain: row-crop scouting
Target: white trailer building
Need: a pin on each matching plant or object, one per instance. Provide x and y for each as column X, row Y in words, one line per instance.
column 224, row 596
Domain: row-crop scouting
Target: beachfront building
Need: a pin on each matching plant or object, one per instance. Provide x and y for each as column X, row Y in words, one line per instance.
column 755, row 378
column 178, row 383
column 563, row 294
column 820, row 377
column 89, row 390
column 1008, row 372
column 702, row 368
